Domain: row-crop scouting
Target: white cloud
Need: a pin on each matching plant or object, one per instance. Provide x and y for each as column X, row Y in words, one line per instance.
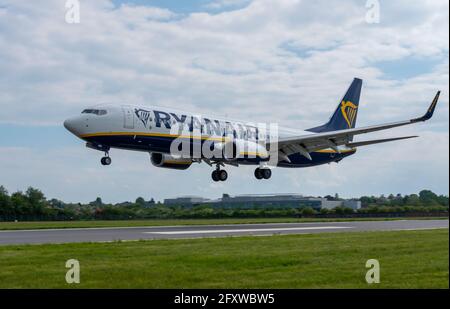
column 225, row 4
column 141, row 14
column 270, row 60
column 125, row 54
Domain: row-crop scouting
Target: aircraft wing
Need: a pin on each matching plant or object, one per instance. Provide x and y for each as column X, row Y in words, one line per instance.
column 305, row 144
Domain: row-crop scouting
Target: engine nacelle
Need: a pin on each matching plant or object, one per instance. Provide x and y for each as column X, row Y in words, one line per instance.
column 168, row 161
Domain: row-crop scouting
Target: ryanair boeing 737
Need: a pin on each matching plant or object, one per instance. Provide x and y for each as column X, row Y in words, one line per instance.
column 176, row 139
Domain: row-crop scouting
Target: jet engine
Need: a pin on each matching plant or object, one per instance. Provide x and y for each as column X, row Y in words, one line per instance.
column 168, row 161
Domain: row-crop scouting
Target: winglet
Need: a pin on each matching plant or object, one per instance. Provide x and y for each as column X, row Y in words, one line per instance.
column 430, row 110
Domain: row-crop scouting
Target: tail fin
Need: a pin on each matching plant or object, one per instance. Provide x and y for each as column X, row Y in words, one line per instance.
column 345, row 115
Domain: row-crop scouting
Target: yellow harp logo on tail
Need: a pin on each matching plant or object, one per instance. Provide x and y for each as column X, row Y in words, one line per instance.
column 348, row 110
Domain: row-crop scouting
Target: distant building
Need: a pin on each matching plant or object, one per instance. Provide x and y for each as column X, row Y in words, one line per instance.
column 250, row 201
column 185, row 201
column 266, row 201
column 353, row 204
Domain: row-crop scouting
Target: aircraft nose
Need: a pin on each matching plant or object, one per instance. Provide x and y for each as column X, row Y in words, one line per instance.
column 72, row 125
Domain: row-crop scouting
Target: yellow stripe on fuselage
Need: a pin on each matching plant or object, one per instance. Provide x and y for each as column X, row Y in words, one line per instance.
column 333, row 151
column 250, row 153
column 154, row 135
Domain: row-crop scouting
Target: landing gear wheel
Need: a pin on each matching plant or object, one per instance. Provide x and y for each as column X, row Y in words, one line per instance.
column 223, row 175
column 215, row 176
column 106, row 161
column 219, row 175
column 263, row 173
column 258, row 173
column 266, row 173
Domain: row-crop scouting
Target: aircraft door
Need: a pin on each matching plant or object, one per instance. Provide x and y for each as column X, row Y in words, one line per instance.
column 128, row 117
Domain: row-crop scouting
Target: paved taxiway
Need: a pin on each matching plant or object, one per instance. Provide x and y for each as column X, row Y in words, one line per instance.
column 198, row 231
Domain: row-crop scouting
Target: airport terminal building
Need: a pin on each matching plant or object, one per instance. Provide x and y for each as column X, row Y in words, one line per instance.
column 264, row 201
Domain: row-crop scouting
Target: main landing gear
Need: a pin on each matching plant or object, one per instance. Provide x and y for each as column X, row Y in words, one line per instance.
column 106, row 160
column 219, row 175
column 263, row 173
column 222, row 175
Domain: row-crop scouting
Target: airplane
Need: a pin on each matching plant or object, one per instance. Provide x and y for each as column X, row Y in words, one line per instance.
column 170, row 137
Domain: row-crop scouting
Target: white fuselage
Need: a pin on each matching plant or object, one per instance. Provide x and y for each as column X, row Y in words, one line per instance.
column 157, row 130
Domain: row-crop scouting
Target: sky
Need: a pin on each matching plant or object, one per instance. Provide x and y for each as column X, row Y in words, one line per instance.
column 285, row 61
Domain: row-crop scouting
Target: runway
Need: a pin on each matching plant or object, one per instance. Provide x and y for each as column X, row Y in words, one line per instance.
column 199, row 231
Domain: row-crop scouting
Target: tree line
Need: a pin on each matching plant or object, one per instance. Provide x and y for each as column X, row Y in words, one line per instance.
column 33, row 205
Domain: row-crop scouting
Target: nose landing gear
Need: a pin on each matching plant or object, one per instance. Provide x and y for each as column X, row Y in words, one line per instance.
column 106, row 160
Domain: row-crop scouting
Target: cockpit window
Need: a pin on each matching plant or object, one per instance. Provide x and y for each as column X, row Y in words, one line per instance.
column 98, row 112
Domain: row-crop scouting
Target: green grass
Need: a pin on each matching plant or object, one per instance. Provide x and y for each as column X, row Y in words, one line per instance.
column 408, row 259
column 162, row 222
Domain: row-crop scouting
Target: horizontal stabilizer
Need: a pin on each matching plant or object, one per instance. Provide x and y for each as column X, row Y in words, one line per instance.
column 377, row 141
